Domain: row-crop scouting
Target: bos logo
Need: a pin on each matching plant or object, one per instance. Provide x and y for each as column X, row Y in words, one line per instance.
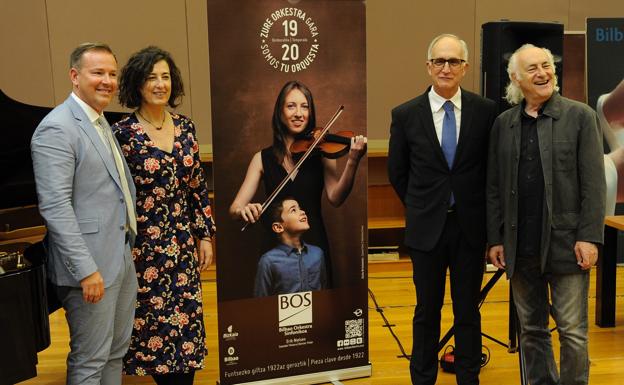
column 609, row 34
column 295, row 309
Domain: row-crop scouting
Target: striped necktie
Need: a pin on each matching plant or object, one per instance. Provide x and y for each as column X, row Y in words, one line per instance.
column 110, row 141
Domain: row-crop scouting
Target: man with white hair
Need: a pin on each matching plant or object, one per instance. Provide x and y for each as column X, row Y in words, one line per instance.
column 545, row 213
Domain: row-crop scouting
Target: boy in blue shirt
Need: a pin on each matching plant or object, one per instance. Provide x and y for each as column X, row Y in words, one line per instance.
column 293, row 265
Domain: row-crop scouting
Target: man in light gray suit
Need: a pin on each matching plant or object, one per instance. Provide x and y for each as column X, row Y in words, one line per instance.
column 86, row 196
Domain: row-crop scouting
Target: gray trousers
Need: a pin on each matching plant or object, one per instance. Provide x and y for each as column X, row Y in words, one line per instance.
column 568, row 306
column 100, row 333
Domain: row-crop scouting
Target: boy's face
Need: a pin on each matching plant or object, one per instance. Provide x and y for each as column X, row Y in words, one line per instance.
column 294, row 219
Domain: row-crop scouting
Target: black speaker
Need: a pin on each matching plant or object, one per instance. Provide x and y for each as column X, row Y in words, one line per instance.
column 500, row 39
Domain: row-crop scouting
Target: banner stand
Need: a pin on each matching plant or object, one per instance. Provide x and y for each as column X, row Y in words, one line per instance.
column 333, row 376
column 301, row 319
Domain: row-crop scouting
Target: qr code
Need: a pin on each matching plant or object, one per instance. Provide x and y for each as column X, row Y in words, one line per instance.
column 354, row 328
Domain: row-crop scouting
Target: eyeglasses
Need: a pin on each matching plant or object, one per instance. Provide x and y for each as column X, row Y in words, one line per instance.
column 453, row 62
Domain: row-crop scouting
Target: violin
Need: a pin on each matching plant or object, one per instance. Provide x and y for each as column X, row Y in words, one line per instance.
column 316, row 139
column 332, row 146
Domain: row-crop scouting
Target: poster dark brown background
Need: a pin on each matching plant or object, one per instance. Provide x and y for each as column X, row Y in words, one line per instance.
column 244, row 88
column 246, row 78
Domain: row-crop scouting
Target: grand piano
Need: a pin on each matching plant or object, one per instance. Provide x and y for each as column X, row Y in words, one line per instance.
column 24, row 326
column 24, row 300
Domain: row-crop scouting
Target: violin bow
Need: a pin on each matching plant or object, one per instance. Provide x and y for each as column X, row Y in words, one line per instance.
column 293, row 173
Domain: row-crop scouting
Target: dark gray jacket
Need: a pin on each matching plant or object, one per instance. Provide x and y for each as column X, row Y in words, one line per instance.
column 574, row 182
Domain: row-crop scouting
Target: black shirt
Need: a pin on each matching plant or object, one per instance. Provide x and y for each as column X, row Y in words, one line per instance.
column 530, row 190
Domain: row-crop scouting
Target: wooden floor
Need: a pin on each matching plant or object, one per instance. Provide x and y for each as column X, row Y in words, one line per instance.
column 394, row 293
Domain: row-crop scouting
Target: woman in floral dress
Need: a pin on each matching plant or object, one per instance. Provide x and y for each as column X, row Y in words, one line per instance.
column 174, row 221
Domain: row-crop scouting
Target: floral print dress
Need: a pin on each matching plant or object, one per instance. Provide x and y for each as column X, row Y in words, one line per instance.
column 172, row 210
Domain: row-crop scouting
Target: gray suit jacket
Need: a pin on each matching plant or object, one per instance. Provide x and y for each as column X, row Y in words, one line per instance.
column 80, row 197
column 574, row 182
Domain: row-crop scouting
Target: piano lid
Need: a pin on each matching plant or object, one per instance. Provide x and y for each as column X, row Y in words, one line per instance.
column 19, row 121
column 25, row 325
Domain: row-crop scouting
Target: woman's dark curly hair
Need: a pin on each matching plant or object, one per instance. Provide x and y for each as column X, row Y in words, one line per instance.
column 280, row 129
column 135, row 73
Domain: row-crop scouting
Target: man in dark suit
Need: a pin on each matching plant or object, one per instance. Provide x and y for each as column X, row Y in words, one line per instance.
column 437, row 164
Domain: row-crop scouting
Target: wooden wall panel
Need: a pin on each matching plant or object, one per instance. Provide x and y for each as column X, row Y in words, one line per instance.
column 25, row 68
column 528, row 10
column 574, row 66
column 398, row 35
column 197, row 27
column 582, row 9
column 37, row 37
column 126, row 26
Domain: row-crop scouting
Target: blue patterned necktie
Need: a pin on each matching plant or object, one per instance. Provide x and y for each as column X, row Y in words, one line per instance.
column 449, row 133
column 449, row 137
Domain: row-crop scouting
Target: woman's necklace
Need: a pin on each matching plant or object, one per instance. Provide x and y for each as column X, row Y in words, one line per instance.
column 153, row 125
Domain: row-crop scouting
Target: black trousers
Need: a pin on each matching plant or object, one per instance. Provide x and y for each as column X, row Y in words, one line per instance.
column 174, row 378
column 466, row 266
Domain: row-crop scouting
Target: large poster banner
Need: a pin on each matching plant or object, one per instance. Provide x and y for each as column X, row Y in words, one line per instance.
column 292, row 287
column 605, row 55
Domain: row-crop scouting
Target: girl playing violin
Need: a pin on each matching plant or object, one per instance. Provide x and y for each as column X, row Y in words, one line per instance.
column 294, row 114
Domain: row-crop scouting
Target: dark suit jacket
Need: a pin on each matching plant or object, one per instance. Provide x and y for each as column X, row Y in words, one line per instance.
column 574, row 182
column 421, row 177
